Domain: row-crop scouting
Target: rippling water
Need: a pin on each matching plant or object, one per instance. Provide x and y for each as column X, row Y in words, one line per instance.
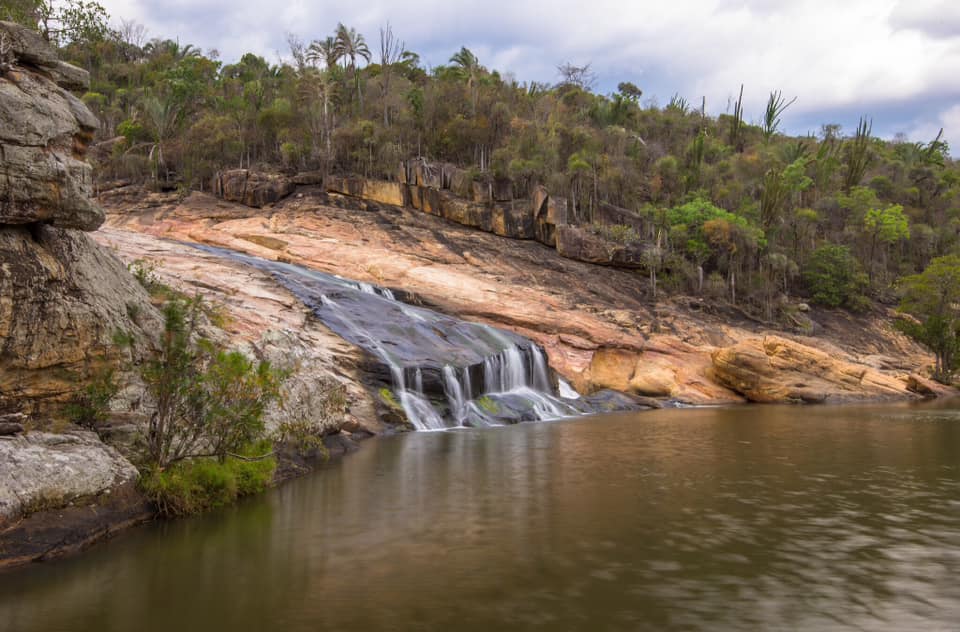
column 708, row 519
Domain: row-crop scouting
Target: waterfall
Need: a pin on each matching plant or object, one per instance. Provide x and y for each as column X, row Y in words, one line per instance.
column 444, row 372
column 566, row 391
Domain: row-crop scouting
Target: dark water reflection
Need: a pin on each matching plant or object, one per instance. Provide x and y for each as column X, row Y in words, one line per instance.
column 713, row 519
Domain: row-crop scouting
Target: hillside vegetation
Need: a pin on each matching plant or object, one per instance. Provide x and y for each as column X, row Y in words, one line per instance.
column 728, row 209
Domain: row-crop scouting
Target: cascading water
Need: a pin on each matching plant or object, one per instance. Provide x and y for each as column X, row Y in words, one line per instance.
column 444, row 372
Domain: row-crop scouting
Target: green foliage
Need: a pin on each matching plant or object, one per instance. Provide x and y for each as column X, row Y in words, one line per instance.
column 776, row 106
column 932, row 298
column 90, row 407
column 889, row 225
column 209, row 401
column 617, row 233
column 389, row 399
column 195, row 486
column 834, row 277
column 184, row 116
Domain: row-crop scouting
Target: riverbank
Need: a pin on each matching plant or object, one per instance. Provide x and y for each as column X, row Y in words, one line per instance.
column 573, row 313
column 72, row 526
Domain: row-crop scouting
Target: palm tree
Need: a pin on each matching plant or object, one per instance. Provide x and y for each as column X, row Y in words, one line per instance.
column 350, row 45
column 468, row 69
column 325, row 50
column 328, row 52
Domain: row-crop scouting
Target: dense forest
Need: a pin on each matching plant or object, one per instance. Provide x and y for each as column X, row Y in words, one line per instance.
column 729, row 208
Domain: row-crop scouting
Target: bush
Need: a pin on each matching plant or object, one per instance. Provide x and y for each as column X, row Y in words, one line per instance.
column 834, row 277
column 192, row 487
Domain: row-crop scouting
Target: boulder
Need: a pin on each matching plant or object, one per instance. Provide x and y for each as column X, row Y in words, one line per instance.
column 428, row 175
column 776, row 369
column 581, row 244
column 252, row 188
column 44, row 132
column 502, row 189
column 43, row 471
column 513, row 219
column 481, row 191
column 616, row 216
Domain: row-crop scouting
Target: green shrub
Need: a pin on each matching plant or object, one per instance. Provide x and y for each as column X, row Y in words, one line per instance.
column 198, row 485
column 834, row 277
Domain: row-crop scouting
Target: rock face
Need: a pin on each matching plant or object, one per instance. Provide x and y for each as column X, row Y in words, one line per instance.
column 597, row 325
column 775, row 369
column 42, row 470
column 62, row 298
column 252, row 188
column 580, row 244
column 44, row 130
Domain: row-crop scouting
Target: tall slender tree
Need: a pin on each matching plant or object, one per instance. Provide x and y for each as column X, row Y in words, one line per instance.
column 351, row 45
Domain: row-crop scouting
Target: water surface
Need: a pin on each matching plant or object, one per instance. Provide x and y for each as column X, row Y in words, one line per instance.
column 706, row 519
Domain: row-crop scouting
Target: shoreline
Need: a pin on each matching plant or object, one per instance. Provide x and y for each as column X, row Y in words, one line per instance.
column 54, row 534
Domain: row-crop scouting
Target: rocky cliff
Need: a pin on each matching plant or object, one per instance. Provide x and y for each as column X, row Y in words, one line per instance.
column 63, row 300
column 62, row 297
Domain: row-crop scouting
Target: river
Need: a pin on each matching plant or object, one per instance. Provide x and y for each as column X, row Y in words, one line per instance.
column 755, row 517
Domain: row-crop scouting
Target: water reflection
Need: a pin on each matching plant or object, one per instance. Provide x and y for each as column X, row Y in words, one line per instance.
column 751, row 518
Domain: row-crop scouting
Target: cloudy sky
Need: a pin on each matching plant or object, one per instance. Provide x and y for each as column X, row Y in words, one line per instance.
column 897, row 61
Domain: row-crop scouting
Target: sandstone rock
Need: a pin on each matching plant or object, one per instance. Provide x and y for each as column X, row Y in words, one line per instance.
column 428, row 175
column 62, row 300
column 460, row 182
column 926, row 387
column 308, row 178
column 513, row 219
column 252, row 188
column 42, row 470
column 775, row 369
column 8, row 428
column 481, row 191
column 380, row 191
column 28, row 47
column 580, row 244
column 44, row 130
column 616, row 216
column 653, row 380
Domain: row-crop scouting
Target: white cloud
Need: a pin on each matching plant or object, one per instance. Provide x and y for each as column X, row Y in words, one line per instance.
column 865, row 55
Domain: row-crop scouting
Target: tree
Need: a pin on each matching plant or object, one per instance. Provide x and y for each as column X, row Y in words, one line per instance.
column 209, row 402
column 350, row 45
column 884, row 226
column 392, row 51
column 467, row 68
column 776, row 106
column 857, row 155
column 582, row 77
column 629, row 90
column 933, row 299
column 834, row 277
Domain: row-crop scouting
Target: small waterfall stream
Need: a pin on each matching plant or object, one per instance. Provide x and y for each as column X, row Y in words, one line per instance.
column 443, row 372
